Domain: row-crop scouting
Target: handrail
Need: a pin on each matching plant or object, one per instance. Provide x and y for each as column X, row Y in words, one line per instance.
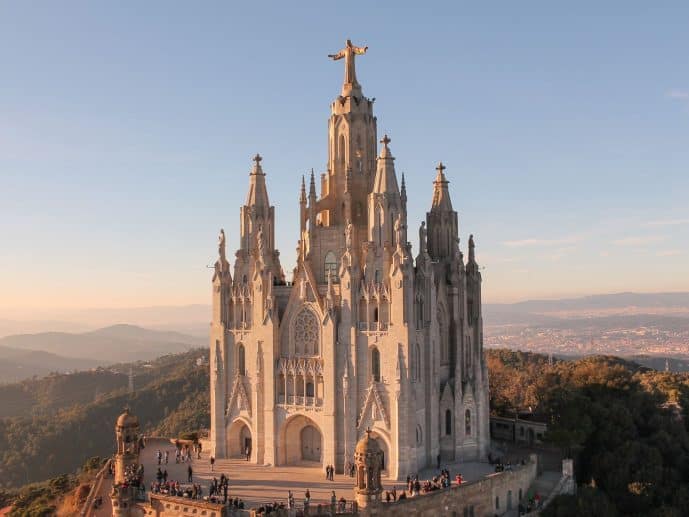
column 95, row 488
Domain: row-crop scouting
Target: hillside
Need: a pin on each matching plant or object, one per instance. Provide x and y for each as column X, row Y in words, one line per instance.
column 626, row 426
column 117, row 343
column 17, row 364
column 56, row 423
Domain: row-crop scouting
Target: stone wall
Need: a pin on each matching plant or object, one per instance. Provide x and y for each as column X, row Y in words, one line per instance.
column 167, row 506
column 477, row 498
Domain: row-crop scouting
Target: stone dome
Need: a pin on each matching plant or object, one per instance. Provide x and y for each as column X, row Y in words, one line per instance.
column 367, row 444
column 126, row 419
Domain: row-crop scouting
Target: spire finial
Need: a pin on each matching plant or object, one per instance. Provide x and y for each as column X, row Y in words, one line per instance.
column 440, row 168
column 257, row 170
column 386, row 140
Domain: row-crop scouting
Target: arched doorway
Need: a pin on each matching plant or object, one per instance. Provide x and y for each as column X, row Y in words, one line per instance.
column 300, row 441
column 384, row 448
column 310, row 444
column 238, row 439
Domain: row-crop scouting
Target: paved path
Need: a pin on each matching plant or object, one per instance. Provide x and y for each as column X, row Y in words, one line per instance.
column 257, row 485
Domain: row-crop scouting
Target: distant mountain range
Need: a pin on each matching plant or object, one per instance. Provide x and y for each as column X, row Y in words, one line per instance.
column 543, row 312
column 26, row 355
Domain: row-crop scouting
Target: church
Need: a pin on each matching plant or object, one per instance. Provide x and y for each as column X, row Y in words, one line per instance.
column 365, row 336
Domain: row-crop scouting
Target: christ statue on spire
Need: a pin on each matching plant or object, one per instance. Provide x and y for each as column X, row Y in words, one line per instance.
column 348, row 53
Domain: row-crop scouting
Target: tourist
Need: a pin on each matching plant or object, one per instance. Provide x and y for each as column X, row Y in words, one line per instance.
column 394, row 494
column 212, row 459
column 190, row 473
column 333, row 501
column 165, row 476
column 167, row 453
column 307, row 500
column 290, row 500
column 342, row 506
column 159, row 456
column 388, row 497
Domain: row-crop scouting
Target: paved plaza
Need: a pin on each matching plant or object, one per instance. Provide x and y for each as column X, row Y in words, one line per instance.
column 256, row 484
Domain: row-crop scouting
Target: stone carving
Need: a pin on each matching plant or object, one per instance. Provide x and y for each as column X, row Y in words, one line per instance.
column 221, row 245
column 348, row 235
column 306, row 332
column 348, row 53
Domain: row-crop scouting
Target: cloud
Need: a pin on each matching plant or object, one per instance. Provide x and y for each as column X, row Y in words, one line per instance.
column 638, row 240
column 668, row 253
column 539, row 242
column 682, row 95
column 667, row 222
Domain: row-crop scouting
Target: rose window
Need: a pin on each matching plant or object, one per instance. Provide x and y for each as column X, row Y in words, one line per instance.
column 306, row 333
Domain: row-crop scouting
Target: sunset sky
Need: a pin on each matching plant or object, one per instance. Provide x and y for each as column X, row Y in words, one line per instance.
column 127, row 131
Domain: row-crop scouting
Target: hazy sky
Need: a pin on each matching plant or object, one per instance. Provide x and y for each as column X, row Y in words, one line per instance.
column 127, row 128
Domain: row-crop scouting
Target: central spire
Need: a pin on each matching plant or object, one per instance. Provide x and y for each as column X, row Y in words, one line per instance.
column 349, row 51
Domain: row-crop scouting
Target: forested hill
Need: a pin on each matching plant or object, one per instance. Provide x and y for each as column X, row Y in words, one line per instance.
column 626, row 426
column 50, row 426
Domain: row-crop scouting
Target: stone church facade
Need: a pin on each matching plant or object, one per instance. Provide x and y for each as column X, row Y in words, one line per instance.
column 366, row 336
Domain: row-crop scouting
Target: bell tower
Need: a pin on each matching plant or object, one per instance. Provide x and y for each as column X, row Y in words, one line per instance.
column 351, row 149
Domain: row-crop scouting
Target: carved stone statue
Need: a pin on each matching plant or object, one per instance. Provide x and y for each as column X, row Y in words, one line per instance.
column 422, row 237
column 221, row 245
column 348, row 235
column 260, row 243
column 348, row 53
column 398, row 230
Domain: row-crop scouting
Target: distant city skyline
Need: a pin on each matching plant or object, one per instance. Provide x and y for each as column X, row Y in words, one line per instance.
column 127, row 131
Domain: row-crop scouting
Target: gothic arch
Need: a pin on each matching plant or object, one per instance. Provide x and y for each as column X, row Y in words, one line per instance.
column 239, row 436
column 375, row 364
column 241, row 359
column 300, row 439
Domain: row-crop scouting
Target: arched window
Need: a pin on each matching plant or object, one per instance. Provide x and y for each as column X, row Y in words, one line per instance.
column 444, row 336
column 309, row 389
column 467, row 422
column 375, row 315
column 330, row 266
column 375, row 364
column 380, row 226
column 241, row 360
column 341, row 152
column 448, row 422
column 419, row 435
column 415, row 363
column 376, row 276
column 306, row 333
column 497, row 502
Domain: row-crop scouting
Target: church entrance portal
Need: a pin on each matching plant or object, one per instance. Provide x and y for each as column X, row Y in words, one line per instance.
column 239, row 439
column 310, row 444
column 300, row 440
